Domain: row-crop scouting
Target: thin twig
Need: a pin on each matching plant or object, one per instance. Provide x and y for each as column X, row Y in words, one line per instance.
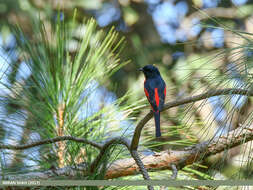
column 49, row 141
column 174, row 171
column 211, row 93
column 141, row 166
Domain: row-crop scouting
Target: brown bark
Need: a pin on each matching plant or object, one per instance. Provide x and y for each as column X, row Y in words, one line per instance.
column 181, row 158
column 60, row 132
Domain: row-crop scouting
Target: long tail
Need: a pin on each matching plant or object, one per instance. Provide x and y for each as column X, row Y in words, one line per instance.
column 157, row 124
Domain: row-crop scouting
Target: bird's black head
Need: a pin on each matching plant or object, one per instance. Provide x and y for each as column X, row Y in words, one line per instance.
column 150, row 71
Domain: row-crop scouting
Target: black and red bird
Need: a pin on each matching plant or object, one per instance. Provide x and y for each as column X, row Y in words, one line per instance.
column 155, row 90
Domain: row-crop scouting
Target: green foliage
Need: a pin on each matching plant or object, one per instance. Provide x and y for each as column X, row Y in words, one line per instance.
column 55, row 99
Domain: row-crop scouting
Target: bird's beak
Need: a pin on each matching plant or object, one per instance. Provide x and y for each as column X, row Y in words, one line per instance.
column 140, row 69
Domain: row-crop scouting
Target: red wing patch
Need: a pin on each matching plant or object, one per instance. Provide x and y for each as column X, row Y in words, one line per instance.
column 146, row 92
column 156, row 97
column 165, row 92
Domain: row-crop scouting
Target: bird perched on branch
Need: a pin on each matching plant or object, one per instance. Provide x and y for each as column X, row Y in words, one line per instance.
column 155, row 90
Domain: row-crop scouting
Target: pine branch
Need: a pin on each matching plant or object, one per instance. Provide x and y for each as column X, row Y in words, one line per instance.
column 69, row 170
column 158, row 161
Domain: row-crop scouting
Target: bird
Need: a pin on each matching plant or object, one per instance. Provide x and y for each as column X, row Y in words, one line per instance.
column 155, row 91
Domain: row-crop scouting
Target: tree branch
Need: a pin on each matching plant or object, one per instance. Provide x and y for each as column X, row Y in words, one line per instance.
column 158, row 161
column 222, row 12
column 180, row 158
column 66, row 171
column 217, row 12
column 134, row 154
column 50, row 141
column 211, row 93
column 106, row 145
column 174, row 171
